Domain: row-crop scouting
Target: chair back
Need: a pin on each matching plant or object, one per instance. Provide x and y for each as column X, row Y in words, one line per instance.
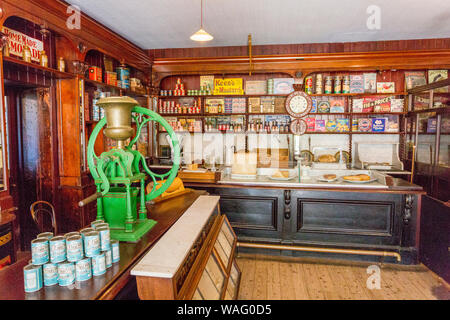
column 39, row 208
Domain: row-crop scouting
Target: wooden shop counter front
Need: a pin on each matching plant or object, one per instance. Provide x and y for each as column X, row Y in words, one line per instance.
column 116, row 280
column 368, row 222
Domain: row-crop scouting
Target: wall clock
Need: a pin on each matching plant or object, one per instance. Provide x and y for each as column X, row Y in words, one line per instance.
column 298, row 126
column 298, row 104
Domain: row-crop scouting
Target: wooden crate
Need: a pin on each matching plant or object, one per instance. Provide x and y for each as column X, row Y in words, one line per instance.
column 201, row 177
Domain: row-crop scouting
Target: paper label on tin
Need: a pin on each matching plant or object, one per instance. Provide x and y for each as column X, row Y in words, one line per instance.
column 31, row 280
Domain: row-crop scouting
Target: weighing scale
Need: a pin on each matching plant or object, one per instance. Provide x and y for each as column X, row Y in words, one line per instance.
column 117, row 171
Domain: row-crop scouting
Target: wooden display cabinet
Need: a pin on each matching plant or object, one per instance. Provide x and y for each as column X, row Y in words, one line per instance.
column 209, row 270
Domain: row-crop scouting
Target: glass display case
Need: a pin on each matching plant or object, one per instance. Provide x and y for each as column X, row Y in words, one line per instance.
column 428, row 137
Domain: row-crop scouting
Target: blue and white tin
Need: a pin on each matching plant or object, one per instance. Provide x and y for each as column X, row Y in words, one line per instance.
column 57, row 249
column 96, row 222
column 32, row 278
column 108, row 258
column 40, row 251
column 66, row 273
column 83, row 269
column 98, row 264
column 115, row 253
column 91, row 243
column 104, row 238
column 74, row 246
column 86, row 230
column 101, row 225
column 71, row 234
column 46, row 235
column 50, row 271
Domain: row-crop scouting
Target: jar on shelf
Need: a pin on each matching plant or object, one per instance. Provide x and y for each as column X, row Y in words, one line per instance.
column 61, row 64
column 43, row 59
column 26, row 53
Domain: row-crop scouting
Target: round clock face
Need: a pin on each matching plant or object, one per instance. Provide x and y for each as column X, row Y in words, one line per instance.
column 298, row 104
column 298, row 126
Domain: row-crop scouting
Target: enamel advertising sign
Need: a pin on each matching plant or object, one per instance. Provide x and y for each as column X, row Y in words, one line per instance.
column 17, row 40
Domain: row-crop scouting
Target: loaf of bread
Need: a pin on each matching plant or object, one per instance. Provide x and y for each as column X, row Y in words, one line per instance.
column 327, row 158
column 357, row 177
column 280, row 174
column 329, row 176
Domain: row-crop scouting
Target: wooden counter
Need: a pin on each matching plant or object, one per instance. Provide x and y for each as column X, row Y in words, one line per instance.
column 108, row 285
column 322, row 221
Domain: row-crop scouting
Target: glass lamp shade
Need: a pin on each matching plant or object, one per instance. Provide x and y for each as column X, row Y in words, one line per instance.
column 201, row 35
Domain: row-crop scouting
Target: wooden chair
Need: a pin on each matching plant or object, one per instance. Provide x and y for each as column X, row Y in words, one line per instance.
column 40, row 207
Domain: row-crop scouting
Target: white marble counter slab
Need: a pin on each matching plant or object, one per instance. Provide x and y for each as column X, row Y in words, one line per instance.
column 166, row 256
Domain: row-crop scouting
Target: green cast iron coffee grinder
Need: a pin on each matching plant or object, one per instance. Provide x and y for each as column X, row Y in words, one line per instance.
column 117, row 172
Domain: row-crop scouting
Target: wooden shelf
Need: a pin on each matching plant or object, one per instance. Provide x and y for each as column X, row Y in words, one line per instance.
column 53, row 72
column 357, row 94
column 438, row 110
column 227, row 95
column 124, row 91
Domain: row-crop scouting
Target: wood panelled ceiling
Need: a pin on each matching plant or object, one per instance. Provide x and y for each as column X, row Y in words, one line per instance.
column 154, row 24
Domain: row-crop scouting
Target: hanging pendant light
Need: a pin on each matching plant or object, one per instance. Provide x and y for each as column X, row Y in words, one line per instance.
column 201, row 35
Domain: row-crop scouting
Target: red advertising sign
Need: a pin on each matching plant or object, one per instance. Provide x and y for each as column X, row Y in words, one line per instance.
column 17, row 40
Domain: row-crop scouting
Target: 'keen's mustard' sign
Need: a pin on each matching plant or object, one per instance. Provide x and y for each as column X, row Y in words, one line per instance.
column 17, row 40
column 228, row 86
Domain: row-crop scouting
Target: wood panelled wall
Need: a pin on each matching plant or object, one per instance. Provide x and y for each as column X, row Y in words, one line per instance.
column 367, row 46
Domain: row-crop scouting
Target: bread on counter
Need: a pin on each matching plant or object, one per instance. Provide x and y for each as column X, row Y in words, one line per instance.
column 327, row 158
column 357, row 177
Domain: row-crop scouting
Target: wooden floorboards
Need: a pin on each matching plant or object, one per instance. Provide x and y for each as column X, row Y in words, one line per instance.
column 271, row 278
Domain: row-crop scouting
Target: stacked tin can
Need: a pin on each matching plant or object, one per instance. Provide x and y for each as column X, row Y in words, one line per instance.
column 76, row 256
column 319, row 83
column 269, row 86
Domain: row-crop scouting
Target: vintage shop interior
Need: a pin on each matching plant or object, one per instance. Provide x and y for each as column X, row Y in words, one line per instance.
column 268, row 160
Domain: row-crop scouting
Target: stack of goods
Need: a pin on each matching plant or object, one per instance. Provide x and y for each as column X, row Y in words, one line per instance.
column 238, row 105
column 327, row 124
column 377, row 104
column 182, row 124
column 215, row 105
column 76, row 256
column 269, row 124
column 230, row 124
column 136, row 86
column 328, row 105
column 267, row 104
column 283, row 85
column 342, row 83
column 111, row 78
column 388, row 123
column 97, row 112
column 179, row 88
column 188, row 106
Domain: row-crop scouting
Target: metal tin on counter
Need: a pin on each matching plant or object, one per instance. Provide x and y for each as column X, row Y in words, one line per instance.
column 91, row 243
column 57, row 249
column 337, row 84
column 40, row 251
column 100, row 225
column 86, row 230
column 74, row 246
column 83, row 269
column 50, row 272
column 66, row 273
column 70, row 234
column 108, row 258
column 115, row 253
column 46, row 235
column 95, row 222
column 32, row 278
column 104, row 238
column 98, row 264
column 328, row 84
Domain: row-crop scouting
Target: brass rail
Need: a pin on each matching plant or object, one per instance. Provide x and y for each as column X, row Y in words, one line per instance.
column 318, row 249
